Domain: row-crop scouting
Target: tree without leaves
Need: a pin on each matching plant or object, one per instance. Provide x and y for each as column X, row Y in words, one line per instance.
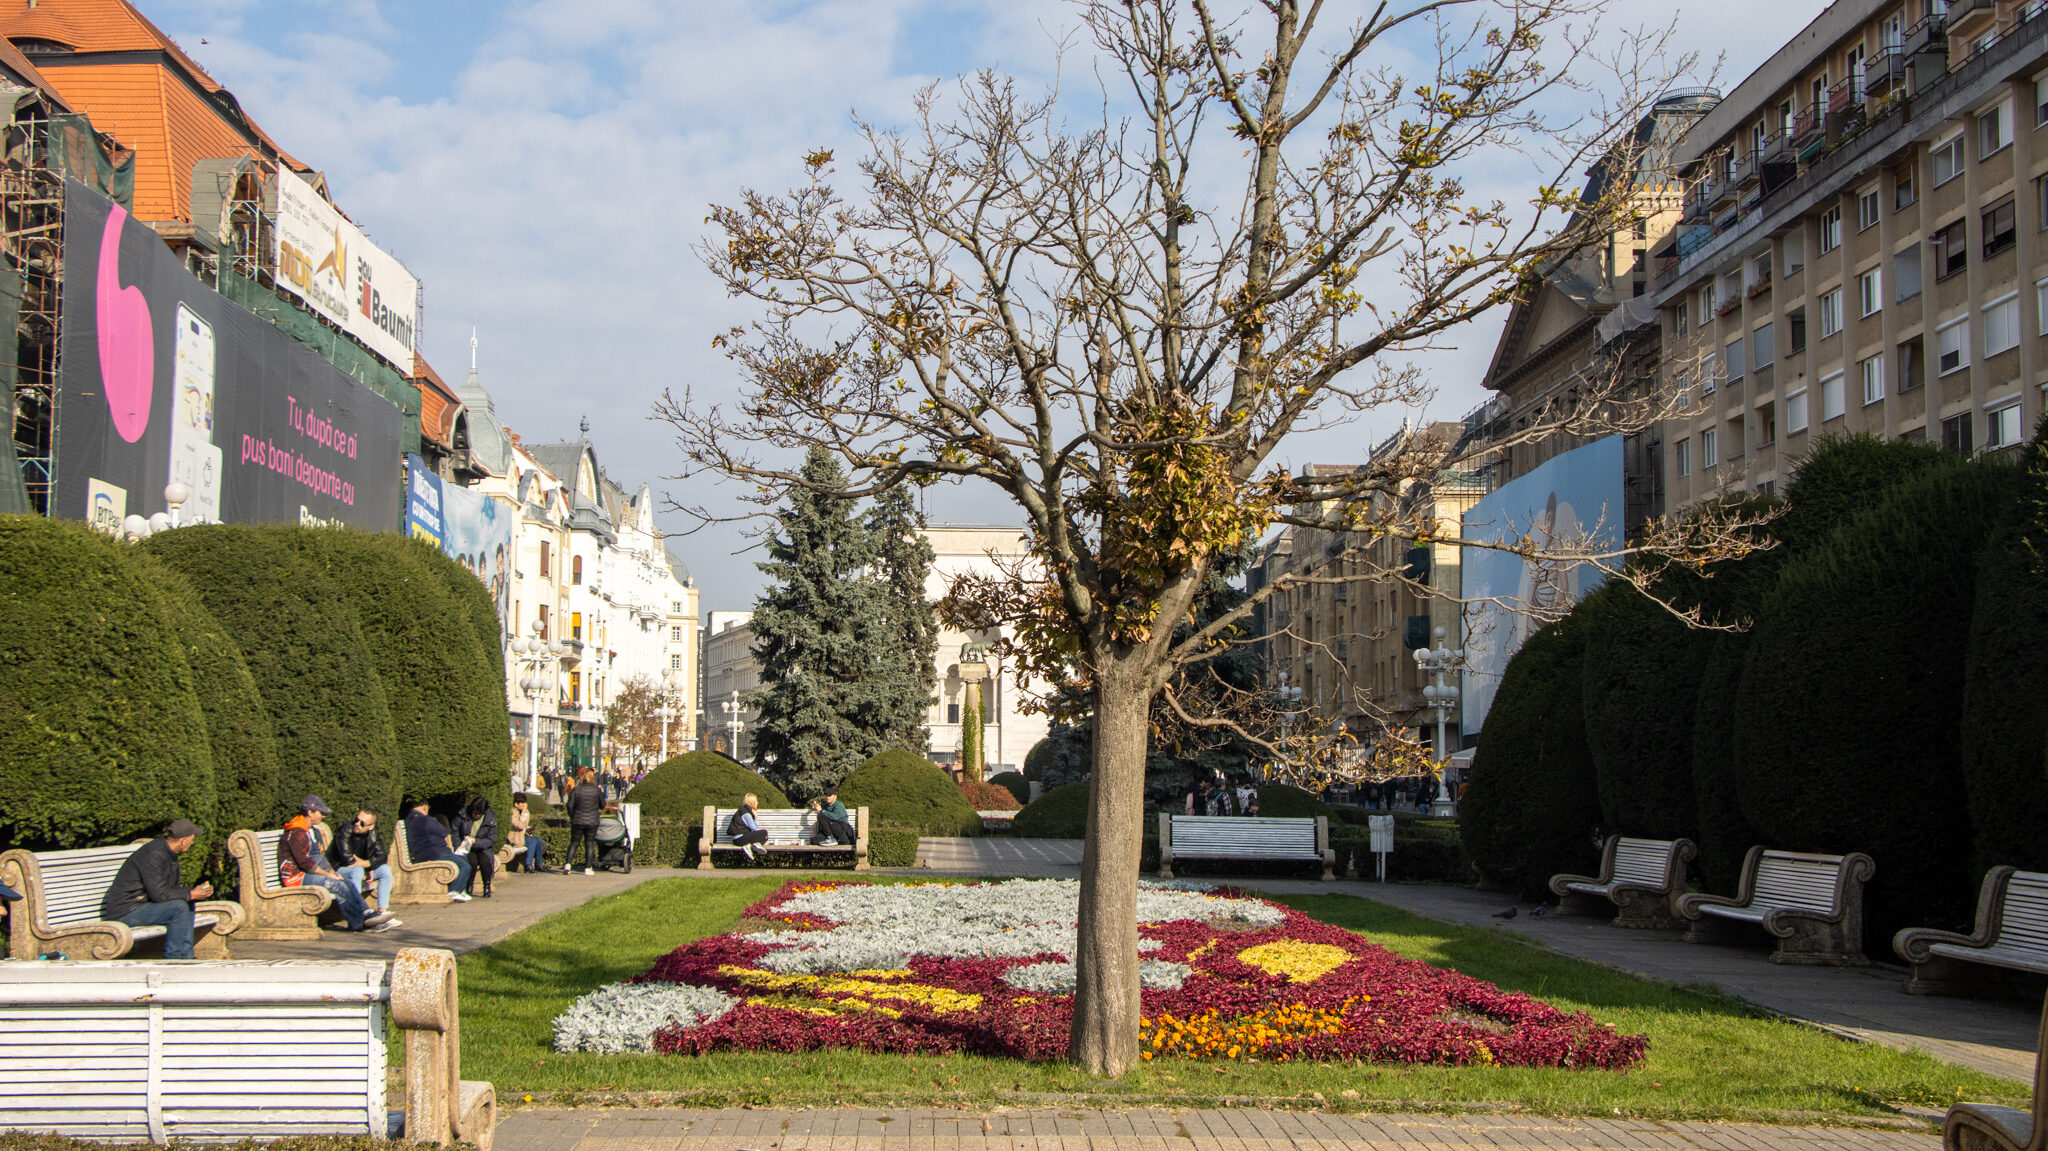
column 1063, row 315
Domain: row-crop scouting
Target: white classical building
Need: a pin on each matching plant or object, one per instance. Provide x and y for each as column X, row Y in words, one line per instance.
column 731, row 673
column 1008, row 731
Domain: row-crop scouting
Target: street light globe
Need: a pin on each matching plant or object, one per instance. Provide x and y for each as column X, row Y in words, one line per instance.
column 528, row 684
column 134, row 527
column 176, row 493
column 161, row 521
column 1443, row 654
column 1421, row 656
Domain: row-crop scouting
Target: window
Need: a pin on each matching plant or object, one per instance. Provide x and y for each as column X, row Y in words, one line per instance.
column 1681, row 455
column 1796, row 321
column 2002, row 325
column 1952, row 347
column 1993, row 132
column 1795, row 251
column 1912, row 364
column 1832, row 400
column 2001, row 222
column 1831, row 229
column 1830, row 313
column 1866, row 209
column 1951, row 250
column 1904, row 190
column 1766, row 426
column 1956, row 434
column 576, row 569
column 1679, row 317
column 1906, row 273
column 2041, row 200
column 2002, row 427
column 1709, row 448
column 1872, row 373
column 1795, row 411
column 2041, row 304
column 675, row 661
column 675, row 607
column 1870, row 291
column 547, row 560
column 675, row 635
column 1706, row 299
column 543, row 620
column 1735, row 360
column 576, row 625
column 1763, row 346
column 2040, row 100
column 952, row 713
column 1948, row 159
column 575, row 689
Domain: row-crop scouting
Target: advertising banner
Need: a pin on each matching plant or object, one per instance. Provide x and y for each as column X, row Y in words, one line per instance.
column 469, row 526
column 1572, row 502
column 164, row 379
column 327, row 262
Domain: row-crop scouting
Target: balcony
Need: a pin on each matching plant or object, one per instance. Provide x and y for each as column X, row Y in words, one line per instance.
column 1969, row 18
column 1927, row 38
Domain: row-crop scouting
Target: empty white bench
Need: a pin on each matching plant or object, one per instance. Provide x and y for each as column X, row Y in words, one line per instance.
column 231, row 1050
column 1989, row 1127
column 788, row 831
column 60, row 907
column 271, row 910
column 1812, row 903
column 1640, row 878
column 1247, row 837
column 2011, row 932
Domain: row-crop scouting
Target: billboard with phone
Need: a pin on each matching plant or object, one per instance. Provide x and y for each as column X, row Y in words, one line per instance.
column 1571, row 505
column 162, row 379
column 468, row 526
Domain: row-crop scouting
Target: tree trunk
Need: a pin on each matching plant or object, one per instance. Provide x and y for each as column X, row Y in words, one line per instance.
column 1104, row 1040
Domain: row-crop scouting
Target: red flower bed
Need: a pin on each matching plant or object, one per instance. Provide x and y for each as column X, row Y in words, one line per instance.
column 1299, row 990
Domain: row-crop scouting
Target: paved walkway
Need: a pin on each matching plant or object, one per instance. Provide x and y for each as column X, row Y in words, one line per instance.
column 1145, row 1129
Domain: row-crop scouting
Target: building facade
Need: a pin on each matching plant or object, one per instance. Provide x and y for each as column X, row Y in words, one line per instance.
column 1009, row 728
column 731, row 673
column 1862, row 249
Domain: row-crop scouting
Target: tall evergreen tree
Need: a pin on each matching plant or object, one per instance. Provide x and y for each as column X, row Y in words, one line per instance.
column 909, row 675
column 821, row 633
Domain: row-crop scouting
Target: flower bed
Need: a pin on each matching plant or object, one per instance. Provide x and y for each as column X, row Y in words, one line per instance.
column 987, row 968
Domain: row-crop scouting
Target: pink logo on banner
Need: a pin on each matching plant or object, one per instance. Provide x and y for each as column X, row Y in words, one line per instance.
column 127, row 343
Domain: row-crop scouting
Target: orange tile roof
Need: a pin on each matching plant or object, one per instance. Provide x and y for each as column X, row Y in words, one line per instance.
column 438, row 404
column 12, row 59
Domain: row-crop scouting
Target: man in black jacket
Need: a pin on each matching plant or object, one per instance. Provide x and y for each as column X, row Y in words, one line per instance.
column 145, row 892
column 427, row 838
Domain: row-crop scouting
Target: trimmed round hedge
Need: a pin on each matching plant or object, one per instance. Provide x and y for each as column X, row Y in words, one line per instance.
column 2005, row 706
column 1639, row 659
column 1530, row 811
column 102, row 736
column 1061, row 813
column 683, row 786
column 987, row 795
column 905, row 789
column 304, row 648
column 1284, row 801
column 1014, row 783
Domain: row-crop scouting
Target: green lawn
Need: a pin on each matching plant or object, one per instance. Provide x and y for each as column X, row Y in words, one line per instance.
column 1710, row 1056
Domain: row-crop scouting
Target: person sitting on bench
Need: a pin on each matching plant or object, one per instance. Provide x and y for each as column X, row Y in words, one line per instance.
column 301, row 862
column 833, row 826
column 145, row 892
column 744, row 829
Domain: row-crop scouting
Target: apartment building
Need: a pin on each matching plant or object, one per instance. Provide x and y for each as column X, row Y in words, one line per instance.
column 1348, row 644
column 1862, row 244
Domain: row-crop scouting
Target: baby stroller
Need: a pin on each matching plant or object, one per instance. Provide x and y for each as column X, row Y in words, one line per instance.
column 614, row 844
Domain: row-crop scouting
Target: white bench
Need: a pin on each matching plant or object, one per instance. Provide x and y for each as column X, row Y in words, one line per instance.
column 2011, row 932
column 270, row 909
column 1639, row 877
column 60, row 907
column 1812, row 903
column 1245, row 837
column 232, row 1050
column 788, row 831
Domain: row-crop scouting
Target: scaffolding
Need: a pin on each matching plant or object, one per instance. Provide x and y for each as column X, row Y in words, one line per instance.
column 32, row 216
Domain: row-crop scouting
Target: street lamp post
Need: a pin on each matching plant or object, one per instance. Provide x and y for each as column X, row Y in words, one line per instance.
column 1438, row 662
column 534, row 655
column 666, row 712
column 733, row 710
column 1290, row 700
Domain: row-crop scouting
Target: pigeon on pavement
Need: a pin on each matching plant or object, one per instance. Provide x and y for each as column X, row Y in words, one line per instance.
column 1510, row 913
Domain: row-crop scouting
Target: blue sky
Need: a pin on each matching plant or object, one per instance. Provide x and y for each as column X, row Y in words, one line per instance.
column 545, row 168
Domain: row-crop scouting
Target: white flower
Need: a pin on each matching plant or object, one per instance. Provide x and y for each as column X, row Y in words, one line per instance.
column 1058, row 978
column 623, row 1017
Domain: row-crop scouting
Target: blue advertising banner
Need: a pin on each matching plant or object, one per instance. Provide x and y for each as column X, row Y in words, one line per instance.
column 468, row 526
column 1572, row 503
column 163, row 379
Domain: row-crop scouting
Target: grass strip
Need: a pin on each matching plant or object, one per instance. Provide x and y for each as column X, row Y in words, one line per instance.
column 1710, row 1057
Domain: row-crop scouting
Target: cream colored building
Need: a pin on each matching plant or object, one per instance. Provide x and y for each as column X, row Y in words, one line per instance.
column 1862, row 248
column 731, row 673
column 1009, row 731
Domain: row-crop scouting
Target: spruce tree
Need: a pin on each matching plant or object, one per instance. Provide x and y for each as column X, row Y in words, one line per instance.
column 908, row 674
column 821, row 633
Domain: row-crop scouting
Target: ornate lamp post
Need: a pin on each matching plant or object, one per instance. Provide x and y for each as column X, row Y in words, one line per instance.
column 1438, row 662
column 666, row 712
column 735, row 718
column 1290, row 702
column 534, row 655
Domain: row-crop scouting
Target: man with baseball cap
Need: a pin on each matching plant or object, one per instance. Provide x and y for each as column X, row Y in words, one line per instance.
column 302, row 862
column 833, row 826
column 145, row 892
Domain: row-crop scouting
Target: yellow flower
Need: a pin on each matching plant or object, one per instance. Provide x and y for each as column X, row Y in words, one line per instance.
column 1299, row 962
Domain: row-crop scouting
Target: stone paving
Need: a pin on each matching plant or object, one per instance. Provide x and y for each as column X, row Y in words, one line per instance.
column 1145, row 1129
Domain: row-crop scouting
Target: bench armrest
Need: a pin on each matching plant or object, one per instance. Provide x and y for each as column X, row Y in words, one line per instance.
column 1913, row 944
column 227, row 916
column 1690, row 903
column 1560, row 882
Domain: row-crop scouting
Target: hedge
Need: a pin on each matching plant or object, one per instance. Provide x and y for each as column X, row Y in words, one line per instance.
column 1639, row 660
column 102, row 735
column 675, row 843
column 1014, row 783
column 1847, row 732
column 1725, row 835
column 1061, row 813
column 1283, row 801
column 1844, row 476
column 304, row 649
column 1426, row 850
column 905, row 789
column 445, row 690
column 1531, row 808
column 987, row 795
column 683, row 786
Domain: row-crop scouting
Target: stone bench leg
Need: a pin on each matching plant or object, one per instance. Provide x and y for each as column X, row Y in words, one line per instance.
column 1816, row 943
column 1648, row 910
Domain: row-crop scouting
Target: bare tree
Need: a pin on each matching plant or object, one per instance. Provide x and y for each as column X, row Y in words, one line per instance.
column 1119, row 327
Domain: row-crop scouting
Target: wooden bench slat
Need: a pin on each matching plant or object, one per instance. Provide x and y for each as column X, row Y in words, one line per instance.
column 1812, row 903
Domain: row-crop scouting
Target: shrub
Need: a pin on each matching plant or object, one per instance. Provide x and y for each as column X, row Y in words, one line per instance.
column 989, row 795
column 1640, row 661
column 102, row 737
column 1870, row 761
column 686, row 784
column 445, row 690
column 1725, row 835
column 1844, row 476
column 1061, row 813
column 904, row 788
column 305, row 652
column 1533, row 804
column 2004, row 728
column 1014, row 783
column 1282, row 801
column 890, row 846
